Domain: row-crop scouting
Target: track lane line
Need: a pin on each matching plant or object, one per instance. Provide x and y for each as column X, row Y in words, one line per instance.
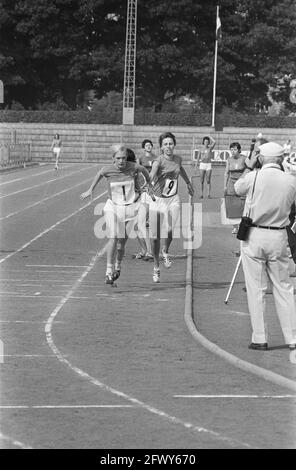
column 54, row 407
column 212, row 347
column 50, row 228
column 234, row 396
column 44, row 182
column 160, row 413
column 30, row 176
column 45, row 199
column 14, row 442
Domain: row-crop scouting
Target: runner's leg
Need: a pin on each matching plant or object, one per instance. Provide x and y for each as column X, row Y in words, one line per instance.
column 209, row 178
column 202, row 179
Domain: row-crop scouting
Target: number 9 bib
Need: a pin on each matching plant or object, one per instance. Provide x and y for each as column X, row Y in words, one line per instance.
column 123, row 192
column 170, row 188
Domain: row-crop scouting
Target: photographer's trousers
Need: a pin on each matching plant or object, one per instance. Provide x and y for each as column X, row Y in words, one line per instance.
column 264, row 255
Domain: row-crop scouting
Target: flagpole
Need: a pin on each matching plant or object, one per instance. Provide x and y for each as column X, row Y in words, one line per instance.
column 215, row 72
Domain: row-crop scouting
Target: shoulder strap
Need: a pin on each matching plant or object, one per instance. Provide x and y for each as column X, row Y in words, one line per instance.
column 252, row 193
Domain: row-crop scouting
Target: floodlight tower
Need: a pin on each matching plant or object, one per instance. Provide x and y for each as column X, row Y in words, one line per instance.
column 130, row 64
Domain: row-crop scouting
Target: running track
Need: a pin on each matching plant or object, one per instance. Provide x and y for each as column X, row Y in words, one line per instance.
column 89, row 366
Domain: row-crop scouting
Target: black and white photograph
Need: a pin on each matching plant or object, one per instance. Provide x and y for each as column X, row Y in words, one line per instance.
column 147, row 230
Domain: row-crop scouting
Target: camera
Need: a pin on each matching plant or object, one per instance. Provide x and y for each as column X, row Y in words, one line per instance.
column 244, row 228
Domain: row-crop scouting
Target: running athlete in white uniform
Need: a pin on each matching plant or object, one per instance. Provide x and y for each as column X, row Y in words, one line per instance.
column 122, row 205
column 145, row 160
column 56, row 149
column 204, row 158
column 165, row 173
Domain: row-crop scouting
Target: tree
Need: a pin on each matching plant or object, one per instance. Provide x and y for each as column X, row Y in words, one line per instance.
column 58, row 49
column 45, row 51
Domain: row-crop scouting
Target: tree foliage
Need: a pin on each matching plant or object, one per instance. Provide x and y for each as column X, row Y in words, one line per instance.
column 55, row 50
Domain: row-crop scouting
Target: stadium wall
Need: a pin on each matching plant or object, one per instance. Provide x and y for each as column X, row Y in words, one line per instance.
column 91, row 142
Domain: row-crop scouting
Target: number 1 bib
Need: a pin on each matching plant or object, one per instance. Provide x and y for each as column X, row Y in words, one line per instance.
column 123, row 192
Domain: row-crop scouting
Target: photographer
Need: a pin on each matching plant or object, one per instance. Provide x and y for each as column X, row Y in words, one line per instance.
column 270, row 194
column 252, row 161
column 291, row 170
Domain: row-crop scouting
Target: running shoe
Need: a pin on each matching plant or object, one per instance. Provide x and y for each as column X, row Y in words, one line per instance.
column 139, row 255
column 109, row 279
column 148, row 257
column 166, row 259
column 116, row 274
column 156, row 275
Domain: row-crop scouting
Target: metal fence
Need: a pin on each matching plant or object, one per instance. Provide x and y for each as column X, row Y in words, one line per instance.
column 15, row 154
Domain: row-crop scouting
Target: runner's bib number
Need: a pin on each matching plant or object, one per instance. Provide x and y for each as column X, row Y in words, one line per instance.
column 123, row 192
column 170, row 188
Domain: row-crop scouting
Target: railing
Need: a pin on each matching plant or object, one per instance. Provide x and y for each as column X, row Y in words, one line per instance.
column 15, row 154
column 220, row 156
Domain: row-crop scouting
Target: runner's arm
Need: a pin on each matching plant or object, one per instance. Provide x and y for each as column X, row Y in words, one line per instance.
column 96, row 179
column 184, row 175
column 226, row 176
column 153, row 172
column 213, row 143
column 147, row 177
column 198, row 159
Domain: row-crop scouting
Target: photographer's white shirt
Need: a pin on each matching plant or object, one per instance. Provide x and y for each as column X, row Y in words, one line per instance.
column 274, row 193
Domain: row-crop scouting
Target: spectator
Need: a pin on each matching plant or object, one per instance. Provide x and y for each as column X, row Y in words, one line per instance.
column 235, row 166
column 287, row 148
column 56, row 149
column 270, row 194
column 204, row 158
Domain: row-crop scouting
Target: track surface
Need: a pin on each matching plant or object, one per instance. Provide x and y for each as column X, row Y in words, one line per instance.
column 89, row 366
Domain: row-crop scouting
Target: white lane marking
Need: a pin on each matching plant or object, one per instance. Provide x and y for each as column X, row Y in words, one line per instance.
column 28, row 355
column 42, row 285
column 33, row 280
column 43, row 200
column 31, row 176
column 57, row 266
column 118, row 393
column 50, row 228
column 28, row 296
column 14, row 442
column 54, row 272
column 233, row 312
column 29, row 407
column 12, row 181
column 11, row 293
column 214, row 348
column 235, row 396
column 27, row 321
column 43, row 183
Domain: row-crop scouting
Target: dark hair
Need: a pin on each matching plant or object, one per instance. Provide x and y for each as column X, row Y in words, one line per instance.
column 206, row 138
column 165, row 135
column 146, row 141
column 237, row 145
column 130, row 155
